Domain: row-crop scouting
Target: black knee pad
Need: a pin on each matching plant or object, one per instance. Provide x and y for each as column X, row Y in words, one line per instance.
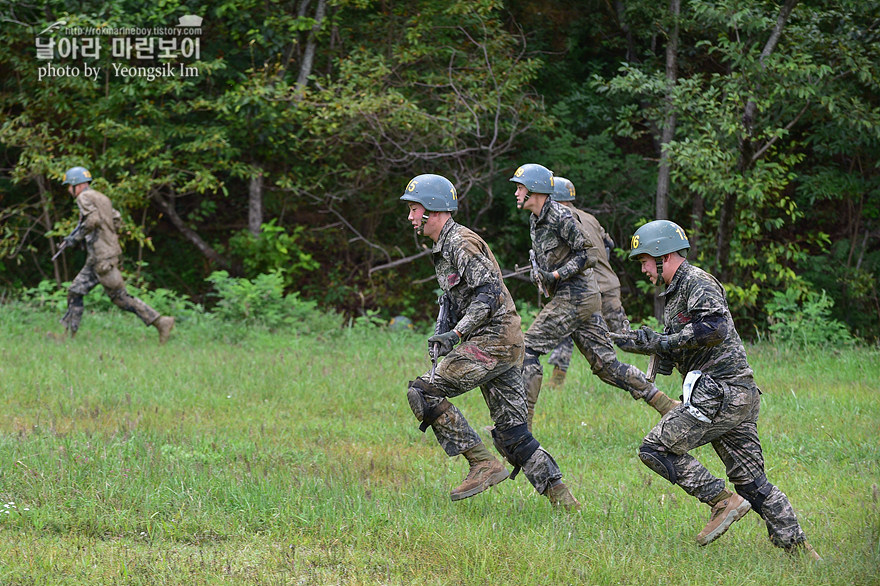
column 517, row 444
column 419, row 404
column 659, row 462
column 756, row 492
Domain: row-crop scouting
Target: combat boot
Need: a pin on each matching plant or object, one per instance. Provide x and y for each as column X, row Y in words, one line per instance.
column 482, row 476
column 727, row 508
column 164, row 324
column 663, row 403
column 557, row 379
column 560, row 496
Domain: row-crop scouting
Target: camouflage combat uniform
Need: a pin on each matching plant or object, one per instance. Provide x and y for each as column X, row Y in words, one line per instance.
column 575, row 307
column 489, row 356
column 702, row 336
column 607, row 281
column 97, row 227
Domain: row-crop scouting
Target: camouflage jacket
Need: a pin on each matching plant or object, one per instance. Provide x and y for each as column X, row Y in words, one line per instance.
column 471, row 277
column 701, row 332
column 606, row 278
column 560, row 245
column 98, row 225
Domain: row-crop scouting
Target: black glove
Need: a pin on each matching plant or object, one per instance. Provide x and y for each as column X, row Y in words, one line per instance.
column 642, row 341
column 446, row 341
column 547, row 276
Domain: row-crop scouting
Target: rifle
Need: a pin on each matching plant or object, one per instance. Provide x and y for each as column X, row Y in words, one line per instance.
column 441, row 327
column 653, row 365
column 66, row 242
column 535, row 269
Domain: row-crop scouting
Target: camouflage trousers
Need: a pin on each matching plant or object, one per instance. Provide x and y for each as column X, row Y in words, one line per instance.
column 615, row 319
column 578, row 316
column 733, row 433
column 106, row 273
column 469, row 366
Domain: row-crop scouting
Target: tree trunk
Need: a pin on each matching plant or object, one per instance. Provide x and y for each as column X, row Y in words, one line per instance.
column 727, row 215
column 189, row 233
column 668, row 131
column 46, row 220
column 255, row 204
column 305, row 68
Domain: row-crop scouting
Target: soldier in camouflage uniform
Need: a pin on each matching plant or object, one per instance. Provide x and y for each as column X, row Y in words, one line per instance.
column 97, row 228
column 565, row 257
column 606, row 279
column 721, row 399
column 484, row 319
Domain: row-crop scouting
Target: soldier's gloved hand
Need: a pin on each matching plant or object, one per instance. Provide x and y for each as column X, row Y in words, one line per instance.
column 534, row 276
column 69, row 241
column 547, row 276
column 651, row 342
column 641, row 341
column 665, row 366
column 446, row 341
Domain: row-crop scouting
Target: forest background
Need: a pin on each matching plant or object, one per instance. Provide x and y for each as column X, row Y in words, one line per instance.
column 753, row 124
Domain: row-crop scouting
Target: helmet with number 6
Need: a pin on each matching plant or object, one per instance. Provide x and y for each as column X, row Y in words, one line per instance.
column 77, row 175
column 536, row 178
column 563, row 189
column 659, row 238
column 435, row 192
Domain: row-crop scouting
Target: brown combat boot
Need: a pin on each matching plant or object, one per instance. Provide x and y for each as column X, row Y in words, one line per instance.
column 482, row 476
column 727, row 508
column 663, row 403
column 560, row 496
column 557, row 379
column 164, row 324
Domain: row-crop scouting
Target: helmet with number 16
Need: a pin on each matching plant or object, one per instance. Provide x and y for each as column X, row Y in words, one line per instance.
column 659, row 238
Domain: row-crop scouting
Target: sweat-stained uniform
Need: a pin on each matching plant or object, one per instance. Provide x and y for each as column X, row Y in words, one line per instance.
column 702, row 337
column 575, row 308
column 489, row 356
column 97, row 228
column 607, row 281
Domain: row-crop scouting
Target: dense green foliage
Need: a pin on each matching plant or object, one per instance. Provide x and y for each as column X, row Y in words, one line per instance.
column 235, row 455
column 320, row 111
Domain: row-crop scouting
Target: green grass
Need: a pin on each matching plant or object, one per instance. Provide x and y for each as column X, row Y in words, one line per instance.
column 243, row 457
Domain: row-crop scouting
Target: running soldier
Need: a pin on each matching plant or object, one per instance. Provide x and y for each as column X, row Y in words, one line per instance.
column 606, row 279
column 482, row 316
column 721, row 399
column 97, row 228
column 565, row 257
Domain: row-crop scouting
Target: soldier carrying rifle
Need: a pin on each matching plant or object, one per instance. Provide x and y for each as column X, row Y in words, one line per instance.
column 97, row 228
column 565, row 255
column 481, row 339
column 721, row 399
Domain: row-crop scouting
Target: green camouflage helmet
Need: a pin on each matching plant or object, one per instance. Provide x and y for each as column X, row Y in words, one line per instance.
column 77, row 175
column 435, row 192
column 536, row 178
column 659, row 238
column 563, row 189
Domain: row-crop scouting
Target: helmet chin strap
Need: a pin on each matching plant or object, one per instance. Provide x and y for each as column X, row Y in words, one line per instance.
column 519, row 206
column 421, row 229
column 660, row 282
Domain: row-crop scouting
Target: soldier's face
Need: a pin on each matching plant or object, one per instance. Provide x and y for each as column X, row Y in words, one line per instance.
column 649, row 267
column 521, row 193
column 416, row 213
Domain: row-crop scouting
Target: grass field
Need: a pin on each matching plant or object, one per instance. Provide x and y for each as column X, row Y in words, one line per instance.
column 243, row 457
